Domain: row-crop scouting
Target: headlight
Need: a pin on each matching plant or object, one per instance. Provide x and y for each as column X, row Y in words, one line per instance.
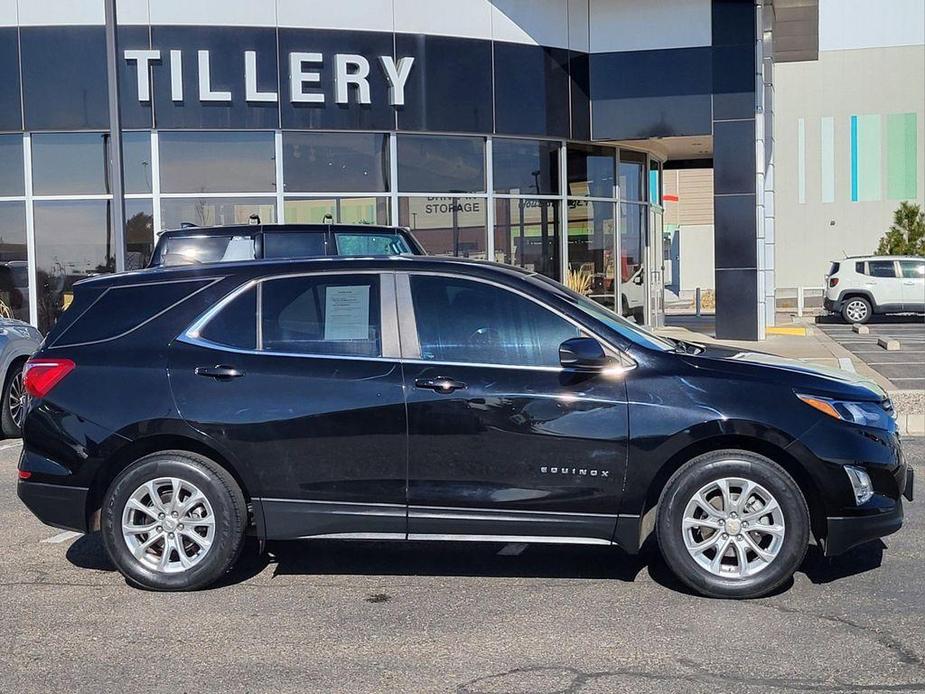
column 867, row 414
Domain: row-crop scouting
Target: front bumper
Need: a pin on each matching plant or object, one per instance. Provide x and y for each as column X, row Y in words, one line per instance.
column 57, row 505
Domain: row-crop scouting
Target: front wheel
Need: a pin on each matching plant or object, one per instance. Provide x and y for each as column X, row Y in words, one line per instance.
column 733, row 524
column 173, row 521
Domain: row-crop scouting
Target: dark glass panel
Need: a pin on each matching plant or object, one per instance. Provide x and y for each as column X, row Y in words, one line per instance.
column 338, row 210
column 11, row 166
column 64, row 78
column 531, row 90
column 632, row 175
column 580, row 91
column 525, row 166
column 655, row 182
column 447, row 226
column 449, row 87
column 215, row 211
column 217, row 162
column 134, row 113
column 335, row 162
column 10, row 103
column 14, row 268
column 527, row 234
column 441, row 164
column 734, row 157
column 632, row 260
column 592, row 250
column 736, row 304
column 591, row 171
column 226, row 46
column 139, row 233
column 73, row 240
column 70, row 163
column 636, row 118
column 136, row 162
column 734, row 231
column 733, row 22
column 377, row 115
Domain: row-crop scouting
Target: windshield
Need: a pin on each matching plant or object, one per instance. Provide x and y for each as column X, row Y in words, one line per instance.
column 193, row 250
column 371, row 244
column 632, row 332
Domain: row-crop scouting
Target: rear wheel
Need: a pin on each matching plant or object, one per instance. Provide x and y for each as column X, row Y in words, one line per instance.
column 733, row 524
column 14, row 402
column 173, row 521
column 857, row 309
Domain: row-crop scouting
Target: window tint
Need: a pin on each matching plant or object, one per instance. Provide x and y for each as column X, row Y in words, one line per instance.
column 217, row 162
column 881, row 268
column 859, row 268
column 525, row 166
column 11, row 165
column 294, row 244
column 70, row 163
column 195, row 250
column 371, row 244
column 337, row 315
column 236, row 324
column 472, row 322
column 591, row 171
column 913, row 268
column 428, row 164
column 835, row 268
column 319, row 162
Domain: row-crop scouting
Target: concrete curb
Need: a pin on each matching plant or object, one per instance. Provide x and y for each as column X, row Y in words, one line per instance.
column 910, row 424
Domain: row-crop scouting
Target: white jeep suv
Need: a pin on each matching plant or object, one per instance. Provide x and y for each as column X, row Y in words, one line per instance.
column 861, row 286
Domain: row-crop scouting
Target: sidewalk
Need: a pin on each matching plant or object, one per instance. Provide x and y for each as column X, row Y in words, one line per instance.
column 814, row 347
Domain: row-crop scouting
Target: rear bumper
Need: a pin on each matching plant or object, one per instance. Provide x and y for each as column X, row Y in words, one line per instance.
column 57, row 505
column 833, row 305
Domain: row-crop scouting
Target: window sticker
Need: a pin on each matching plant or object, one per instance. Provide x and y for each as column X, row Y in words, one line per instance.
column 346, row 313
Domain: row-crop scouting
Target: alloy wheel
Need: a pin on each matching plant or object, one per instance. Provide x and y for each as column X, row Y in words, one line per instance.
column 16, row 399
column 733, row 527
column 168, row 525
column 856, row 311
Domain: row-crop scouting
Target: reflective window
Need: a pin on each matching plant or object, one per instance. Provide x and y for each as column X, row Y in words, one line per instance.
column 914, row 269
column 592, row 250
column 139, row 233
column 441, row 164
column 531, row 90
column 632, row 261
column 591, row 171
column 655, row 182
column 632, row 172
column 10, row 103
column 217, row 162
column 881, row 268
column 203, row 212
column 295, row 244
column 73, row 240
column 527, row 234
column 447, row 226
column 136, row 162
column 11, row 166
column 336, row 315
column 70, row 163
column 335, row 162
column 196, row 249
column 14, row 270
column 459, row 320
column 525, row 167
column 371, row 244
column 236, row 324
column 337, row 210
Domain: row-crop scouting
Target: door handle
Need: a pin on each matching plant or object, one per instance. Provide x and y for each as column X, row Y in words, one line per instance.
column 219, row 372
column 440, row 384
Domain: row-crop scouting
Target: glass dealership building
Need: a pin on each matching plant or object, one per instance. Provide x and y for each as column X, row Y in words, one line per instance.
column 531, row 133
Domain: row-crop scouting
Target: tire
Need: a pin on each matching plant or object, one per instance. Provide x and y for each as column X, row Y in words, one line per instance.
column 857, row 309
column 697, row 568
column 10, row 416
column 639, row 315
column 224, row 504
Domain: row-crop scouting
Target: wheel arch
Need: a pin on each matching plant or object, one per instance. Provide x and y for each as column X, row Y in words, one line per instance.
column 847, row 294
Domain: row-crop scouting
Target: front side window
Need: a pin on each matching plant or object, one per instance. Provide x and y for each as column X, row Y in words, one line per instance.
column 325, row 315
column 881, row 268
column 914, row 269
column 469, row 322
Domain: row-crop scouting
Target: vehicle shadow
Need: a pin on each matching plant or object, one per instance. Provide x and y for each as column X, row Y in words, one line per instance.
column 858, row 560
column 834, row 319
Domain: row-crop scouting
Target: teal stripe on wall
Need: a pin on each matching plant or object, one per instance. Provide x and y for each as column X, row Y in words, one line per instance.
column 801, row 160
column 854, row 158
column 866, row 158
column 901, row 155
column 827, row 150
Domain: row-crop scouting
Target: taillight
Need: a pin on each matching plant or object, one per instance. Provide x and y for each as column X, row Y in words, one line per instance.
column 41, row 375
column 833, row 281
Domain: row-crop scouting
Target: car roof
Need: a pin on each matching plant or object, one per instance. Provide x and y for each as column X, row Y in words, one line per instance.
column 879, row 257
column 248, row 229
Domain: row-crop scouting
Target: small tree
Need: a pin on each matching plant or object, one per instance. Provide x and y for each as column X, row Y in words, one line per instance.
column 907, row 235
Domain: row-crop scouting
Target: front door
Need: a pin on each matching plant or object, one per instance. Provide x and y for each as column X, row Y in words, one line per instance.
column 308, row 398
column 913, row 277
column 886, row 287
column 502, row 441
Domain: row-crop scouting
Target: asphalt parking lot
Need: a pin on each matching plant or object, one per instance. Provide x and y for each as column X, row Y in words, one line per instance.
column 906, row 367
column 368, row 617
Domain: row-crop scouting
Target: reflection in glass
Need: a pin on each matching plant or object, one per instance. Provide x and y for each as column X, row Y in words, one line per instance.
column 592, row 250
column 429, row 164
column 70, row 163
column 527, row 234
column 632, row 260
column 136, row 161
column 337, row 210
column 139, row 233
column 11, row 165
column 335, row 162
column 447, row 226
column 14, row 270
column 632, row 171
column 590, row 171
column 217, row 162
column 655, row 182
column 73, row 240
column 525, row 167
column 204, row 212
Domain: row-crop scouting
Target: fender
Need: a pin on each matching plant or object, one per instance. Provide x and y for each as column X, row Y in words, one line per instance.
column 857, row 292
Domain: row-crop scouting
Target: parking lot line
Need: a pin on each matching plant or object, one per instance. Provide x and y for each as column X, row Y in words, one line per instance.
column 7, row 446
column 62, row 537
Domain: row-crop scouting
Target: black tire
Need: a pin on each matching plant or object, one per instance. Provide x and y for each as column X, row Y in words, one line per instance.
column 639, row 315
column 10, row 428
column 224, row 496
column 716, row 465
column 859, row 307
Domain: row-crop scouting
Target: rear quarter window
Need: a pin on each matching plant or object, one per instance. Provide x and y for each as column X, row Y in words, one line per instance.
column 835, row 268
column 859, row 268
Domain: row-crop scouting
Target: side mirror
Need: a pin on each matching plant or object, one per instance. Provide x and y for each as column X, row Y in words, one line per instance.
column 582, row 353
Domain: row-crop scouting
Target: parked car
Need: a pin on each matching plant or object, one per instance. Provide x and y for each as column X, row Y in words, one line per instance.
column 862, row 286
column 18, row 342
column 178, row 410
column 197, row 245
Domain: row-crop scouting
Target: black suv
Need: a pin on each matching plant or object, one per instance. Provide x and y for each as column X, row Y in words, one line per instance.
column 199, row 245
column 178, row 410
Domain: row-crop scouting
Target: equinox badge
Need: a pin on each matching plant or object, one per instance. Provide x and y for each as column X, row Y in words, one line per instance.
column 577, row 471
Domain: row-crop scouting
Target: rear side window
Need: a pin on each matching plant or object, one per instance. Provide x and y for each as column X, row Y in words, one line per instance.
column 881, row 268
column 122, row 309
column 371, row 244
column 914, row 269
column 196, row 250
column 293, row 244
column 325, row 315
column 236, row 324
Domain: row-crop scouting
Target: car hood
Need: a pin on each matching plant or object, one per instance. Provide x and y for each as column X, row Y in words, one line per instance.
column 818, row 378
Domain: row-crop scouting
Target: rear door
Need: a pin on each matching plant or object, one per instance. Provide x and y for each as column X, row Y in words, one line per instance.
column 913, row 287
column 298, row 376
